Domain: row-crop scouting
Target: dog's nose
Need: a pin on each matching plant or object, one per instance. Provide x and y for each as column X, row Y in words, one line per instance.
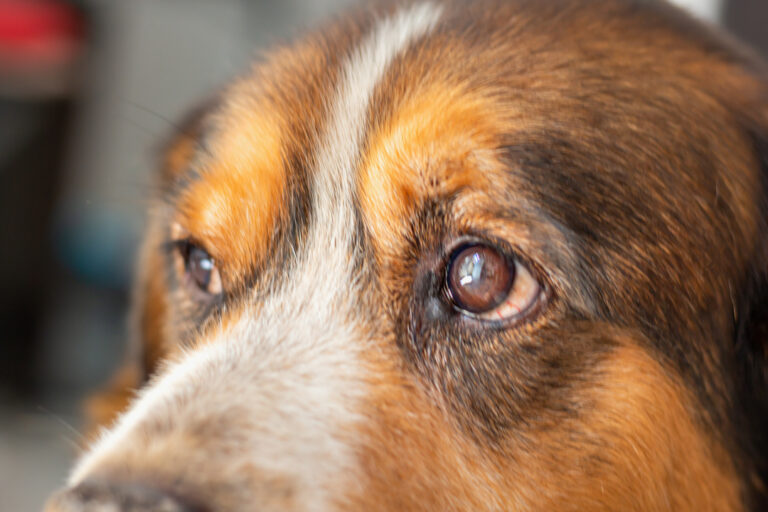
column 110, row 497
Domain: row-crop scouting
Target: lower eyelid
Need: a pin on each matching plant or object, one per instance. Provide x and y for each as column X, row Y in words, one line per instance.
column 523, row 295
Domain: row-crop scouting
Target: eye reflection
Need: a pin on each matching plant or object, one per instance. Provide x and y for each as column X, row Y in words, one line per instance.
column 479, row 278
column 485, row 283
column 200, row 268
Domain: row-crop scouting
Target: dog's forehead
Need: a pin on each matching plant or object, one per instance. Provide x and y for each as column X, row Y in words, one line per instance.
column 514, row 112
column 251, row 154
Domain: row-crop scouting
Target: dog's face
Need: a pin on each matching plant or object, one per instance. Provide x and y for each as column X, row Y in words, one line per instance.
column 498, row 256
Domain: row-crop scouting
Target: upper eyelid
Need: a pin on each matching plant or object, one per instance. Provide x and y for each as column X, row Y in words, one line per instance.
column 179, row 236
column 507, row 248
column 171, row 245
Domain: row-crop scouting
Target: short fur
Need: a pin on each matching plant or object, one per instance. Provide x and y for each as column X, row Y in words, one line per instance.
column 617, row 148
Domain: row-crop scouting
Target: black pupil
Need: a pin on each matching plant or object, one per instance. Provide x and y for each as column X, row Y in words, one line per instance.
column 199, row 266
column 479, row 278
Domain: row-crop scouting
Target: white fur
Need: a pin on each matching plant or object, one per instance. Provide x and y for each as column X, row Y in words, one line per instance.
column 710, row 10
column 291, row 362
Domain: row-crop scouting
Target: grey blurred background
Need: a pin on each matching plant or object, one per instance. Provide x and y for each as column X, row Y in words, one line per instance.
column 88, row 89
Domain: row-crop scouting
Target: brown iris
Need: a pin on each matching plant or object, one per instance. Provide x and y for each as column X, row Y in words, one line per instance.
column 479, row 278
column 201, row 268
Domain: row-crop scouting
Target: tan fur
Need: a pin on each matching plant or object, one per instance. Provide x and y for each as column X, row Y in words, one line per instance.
column 583, row 464
column 607, row 146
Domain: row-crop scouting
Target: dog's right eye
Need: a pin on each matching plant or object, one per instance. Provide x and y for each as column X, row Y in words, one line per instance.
column 485, row 283
column 200, row 268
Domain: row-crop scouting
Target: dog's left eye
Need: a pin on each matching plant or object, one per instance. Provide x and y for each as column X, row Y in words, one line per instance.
column 200, row 268
column 485, row 283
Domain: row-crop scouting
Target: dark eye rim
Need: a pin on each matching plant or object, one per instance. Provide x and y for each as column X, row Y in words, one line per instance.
column 452, row 249
column 183, row 248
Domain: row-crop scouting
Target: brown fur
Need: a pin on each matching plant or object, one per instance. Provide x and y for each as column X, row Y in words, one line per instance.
column 615, row 147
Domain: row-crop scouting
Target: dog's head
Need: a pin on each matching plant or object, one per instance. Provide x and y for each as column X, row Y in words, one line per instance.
column 488, row 256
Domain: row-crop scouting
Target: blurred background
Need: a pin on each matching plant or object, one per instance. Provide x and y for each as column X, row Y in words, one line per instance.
column 88, row 90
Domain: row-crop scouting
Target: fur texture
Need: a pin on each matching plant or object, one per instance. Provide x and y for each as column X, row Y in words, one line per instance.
column 614, row 148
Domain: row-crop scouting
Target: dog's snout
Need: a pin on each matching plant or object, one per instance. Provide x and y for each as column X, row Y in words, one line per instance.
column 111, row 497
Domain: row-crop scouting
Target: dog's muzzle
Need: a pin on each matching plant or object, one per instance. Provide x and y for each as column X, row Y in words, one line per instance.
column 112, row 497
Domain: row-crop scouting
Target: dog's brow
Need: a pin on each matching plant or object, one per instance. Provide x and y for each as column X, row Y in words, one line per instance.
column 339, row 148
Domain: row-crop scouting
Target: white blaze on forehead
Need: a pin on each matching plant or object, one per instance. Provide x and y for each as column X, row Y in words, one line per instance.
column 710, row 10
column 291, row 361
column 339, row 148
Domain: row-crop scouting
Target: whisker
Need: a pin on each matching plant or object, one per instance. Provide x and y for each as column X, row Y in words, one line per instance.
column 151, row 112
column 79, row 436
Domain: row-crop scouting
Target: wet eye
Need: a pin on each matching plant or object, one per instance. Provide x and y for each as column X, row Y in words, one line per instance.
column 200, row 268
column 485, row 283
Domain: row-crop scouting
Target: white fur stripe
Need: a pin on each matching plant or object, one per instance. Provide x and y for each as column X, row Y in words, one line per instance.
column 291, row 361
column 710, row 10
column 339, row 147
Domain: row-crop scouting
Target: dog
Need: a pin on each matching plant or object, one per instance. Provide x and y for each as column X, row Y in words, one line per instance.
column 489, row 255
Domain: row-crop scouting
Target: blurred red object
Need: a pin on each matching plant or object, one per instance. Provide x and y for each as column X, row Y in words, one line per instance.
column 40, row 41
